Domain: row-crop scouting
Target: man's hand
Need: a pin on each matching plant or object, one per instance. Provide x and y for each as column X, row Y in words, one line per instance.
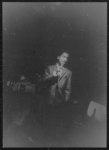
column 54, row 73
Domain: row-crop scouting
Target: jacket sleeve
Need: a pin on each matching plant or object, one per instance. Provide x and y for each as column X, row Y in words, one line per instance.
column 47, row 73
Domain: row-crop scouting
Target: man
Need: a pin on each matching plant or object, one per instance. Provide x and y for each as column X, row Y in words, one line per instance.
column 61, row 87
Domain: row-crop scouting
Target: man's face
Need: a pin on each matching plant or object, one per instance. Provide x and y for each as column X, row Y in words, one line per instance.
column 63, row 58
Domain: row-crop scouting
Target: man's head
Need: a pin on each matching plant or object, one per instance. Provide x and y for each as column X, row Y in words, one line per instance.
column 63, row 58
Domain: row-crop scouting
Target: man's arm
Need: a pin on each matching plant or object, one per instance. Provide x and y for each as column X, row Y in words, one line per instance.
column 47, row 74
column 49, row 78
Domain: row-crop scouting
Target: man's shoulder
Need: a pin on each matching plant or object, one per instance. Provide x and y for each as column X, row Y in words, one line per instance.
column 68, row 71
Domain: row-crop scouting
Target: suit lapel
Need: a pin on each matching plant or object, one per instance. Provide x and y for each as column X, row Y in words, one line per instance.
column 63, row 74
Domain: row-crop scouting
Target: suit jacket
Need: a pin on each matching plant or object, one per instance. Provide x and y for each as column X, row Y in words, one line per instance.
column 62, row 87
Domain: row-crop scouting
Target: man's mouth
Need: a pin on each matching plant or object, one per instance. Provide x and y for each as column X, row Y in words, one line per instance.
column 62, row 62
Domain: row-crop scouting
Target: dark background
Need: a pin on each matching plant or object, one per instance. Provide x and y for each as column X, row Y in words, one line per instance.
column 34, row 34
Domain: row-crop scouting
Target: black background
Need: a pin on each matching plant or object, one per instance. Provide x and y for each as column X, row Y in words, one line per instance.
column 34, row 34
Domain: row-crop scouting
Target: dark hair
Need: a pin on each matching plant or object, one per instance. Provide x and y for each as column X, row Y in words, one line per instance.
column 63, row 53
